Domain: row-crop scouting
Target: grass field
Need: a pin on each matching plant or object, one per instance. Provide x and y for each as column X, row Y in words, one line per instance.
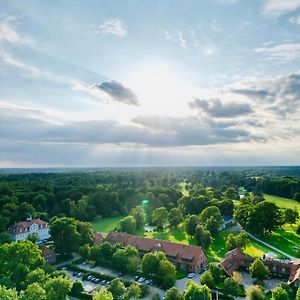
column 286, row 237
column 107, row 224
column 283, row 202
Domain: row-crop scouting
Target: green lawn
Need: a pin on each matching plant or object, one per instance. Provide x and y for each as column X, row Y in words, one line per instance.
column 283, row 202
column 174, row 235
column 286, row 237
column 106, row 224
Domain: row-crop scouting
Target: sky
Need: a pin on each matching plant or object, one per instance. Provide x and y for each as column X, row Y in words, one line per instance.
column 149, row 83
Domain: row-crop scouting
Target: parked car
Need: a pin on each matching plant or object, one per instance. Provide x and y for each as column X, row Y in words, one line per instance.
column 136, row 278
column 107, row 283
column 120, row 274
column 142, row 279
column 92, row 266
column 191, row 275
column 64, row 269
column 79, row 274
column 97, row 280
column 75, row 273
column 103, row 282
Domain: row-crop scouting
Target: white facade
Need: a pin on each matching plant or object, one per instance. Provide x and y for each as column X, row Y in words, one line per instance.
column 21, row 230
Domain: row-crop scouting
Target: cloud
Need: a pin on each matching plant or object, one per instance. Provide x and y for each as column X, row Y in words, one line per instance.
column 295, row 20
column 9, row 34
column 114, row 27
column 215, row 108
column 117, row 92
column 278, row 7
column 280, row 53
column 280, row 95
column 176, row 37
column 18, row 125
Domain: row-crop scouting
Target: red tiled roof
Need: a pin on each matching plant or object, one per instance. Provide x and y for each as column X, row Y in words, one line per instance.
column 98, row 238
column 22, row 227
column 174, row 252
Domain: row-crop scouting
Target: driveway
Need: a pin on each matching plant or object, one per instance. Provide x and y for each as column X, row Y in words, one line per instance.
column 269, row 283
column 181, row 283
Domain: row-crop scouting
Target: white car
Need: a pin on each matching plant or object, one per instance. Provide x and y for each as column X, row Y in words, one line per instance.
column 191, row 275
column 142, row 279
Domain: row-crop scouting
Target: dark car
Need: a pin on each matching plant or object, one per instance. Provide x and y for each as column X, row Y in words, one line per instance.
column 120, row 274
column 75, row 273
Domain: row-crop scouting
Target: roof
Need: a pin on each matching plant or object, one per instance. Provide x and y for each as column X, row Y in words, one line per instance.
column 227, row 218
column 46, row 251
column 174, row 251
column 98, row 239
column 24, row 226
column 295, row 272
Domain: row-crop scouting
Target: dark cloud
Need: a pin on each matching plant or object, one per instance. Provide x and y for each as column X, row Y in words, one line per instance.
column 118, row 92
column 149, row 130
column 215, row 108
column 280, row 95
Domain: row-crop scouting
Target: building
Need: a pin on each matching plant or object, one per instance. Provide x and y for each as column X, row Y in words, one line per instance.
column 21, row 230
column 185, row 257
column 98, row 238
column 236, row 259
column 227, row 222
column 48, row 254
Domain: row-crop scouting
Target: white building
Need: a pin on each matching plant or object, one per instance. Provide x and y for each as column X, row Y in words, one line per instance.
column 21, row 230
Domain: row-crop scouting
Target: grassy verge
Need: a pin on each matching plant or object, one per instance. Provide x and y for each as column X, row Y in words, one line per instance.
column 181, row 274
column 106, row 224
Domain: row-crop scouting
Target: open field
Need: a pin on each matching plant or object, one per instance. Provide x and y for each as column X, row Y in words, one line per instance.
column 107, row 224
column 283, row 202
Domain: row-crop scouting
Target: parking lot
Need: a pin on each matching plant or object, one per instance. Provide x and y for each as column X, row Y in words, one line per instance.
column 91, row 286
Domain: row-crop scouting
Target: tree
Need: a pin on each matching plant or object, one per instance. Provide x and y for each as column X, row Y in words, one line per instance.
column 291, row 215
column 261, row 218
column 134, row 292
column 216, row 272
column 297, row 197
column 87, row 236
column 298, row 294
column 259, row 270
column 77, row 287
column 157, row 266
column 175, row 217
column 167, row 273
column 58, row 288
column 174, row 294
column 139, row 215
column 212, row 219
column 122, row 257
column 202, row 237
column 195, row 291
column 231, row 287
column 255, row 293
column 18, row 259
column 103, row 294
column 34, row 292
column 237, row 277
column 65, row 235
column 128, row 224
column 237, row 241
column 33, row 237
column 160, row 217
column 280, row 293
column 8, row 294
column 207, row 279
column 117, row 288
column 190, row 224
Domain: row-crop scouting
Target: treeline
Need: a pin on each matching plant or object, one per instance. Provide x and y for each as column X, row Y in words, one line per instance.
column 280, row 186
